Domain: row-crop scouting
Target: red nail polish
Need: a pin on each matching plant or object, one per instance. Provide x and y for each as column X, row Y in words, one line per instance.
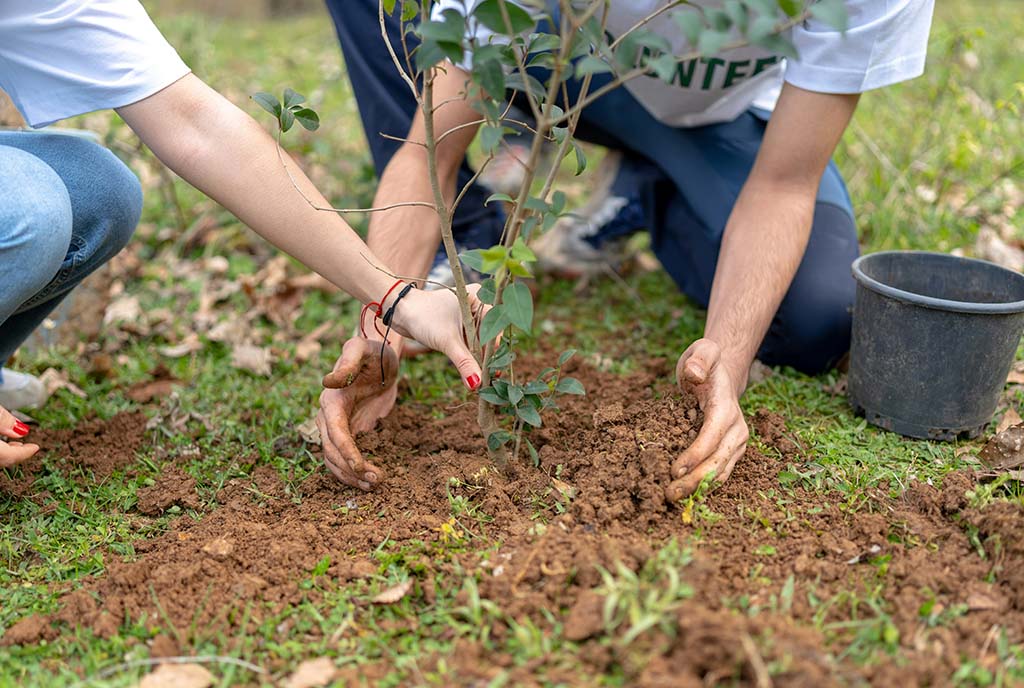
column 473, row 381
column 20, row 429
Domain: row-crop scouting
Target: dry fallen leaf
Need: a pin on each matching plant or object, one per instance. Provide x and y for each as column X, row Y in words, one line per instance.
column 1009, row 419
column 981, row 602
column 123, row 309
column 255, row 359
column 189, row 345
column 309, row 432
column 54, row 379
column 394, row 593
column 991, row 247
column 1005, row 451
column 312, row 673
column 177, row 676
column 144, row 392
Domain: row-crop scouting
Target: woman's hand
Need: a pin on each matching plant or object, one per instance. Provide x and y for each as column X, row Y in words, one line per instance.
column 434, row 320
column 13, row 451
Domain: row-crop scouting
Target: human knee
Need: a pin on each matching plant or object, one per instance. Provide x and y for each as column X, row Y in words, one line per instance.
column 812, row 332
column 107, row 208
column 35, row 218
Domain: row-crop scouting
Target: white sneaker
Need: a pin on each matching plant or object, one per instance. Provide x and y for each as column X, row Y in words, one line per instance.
column 21, row 391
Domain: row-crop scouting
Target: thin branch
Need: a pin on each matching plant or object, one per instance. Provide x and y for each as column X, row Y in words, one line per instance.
column 391, row 50
column 643, row 22
column 400, row 139
column 406, row 278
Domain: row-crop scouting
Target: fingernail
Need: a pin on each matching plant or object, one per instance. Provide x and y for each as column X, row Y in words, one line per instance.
column 371, row 477
column 473, row 381
column 20, row 429
column 363, row 485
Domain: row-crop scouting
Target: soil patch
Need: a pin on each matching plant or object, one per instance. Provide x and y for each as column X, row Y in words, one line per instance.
column 100, row 446
column 777, row 572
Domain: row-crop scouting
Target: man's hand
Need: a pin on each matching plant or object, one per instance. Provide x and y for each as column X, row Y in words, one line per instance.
column 352, row 402
column 13, row 451
column 723, row 438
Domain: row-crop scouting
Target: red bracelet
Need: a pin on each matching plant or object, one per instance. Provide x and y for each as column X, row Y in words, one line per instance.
column 378, row 311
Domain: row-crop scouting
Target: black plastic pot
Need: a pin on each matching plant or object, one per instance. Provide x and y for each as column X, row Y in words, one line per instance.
column 934, row 337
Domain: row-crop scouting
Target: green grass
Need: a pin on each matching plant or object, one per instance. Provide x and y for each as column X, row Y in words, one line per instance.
column 924, row 162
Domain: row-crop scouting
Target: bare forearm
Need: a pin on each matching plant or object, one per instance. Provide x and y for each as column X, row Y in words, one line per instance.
column 761, row 251
column 224, row 153
column 406, row 238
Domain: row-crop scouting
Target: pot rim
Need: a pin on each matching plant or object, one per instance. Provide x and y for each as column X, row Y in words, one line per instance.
column 1005, row 308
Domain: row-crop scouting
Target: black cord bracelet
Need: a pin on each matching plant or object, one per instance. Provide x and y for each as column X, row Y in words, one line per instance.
column 388, row 316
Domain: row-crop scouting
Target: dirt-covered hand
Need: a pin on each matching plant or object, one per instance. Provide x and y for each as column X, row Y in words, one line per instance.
column 434, row 320
column 352, row 402
column 723, row 437
column 13, row 451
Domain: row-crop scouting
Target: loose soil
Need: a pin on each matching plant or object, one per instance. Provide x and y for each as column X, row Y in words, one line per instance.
column 801, row 563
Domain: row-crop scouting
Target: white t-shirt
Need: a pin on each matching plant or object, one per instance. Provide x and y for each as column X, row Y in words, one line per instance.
column 60, row 58
column 885, row 42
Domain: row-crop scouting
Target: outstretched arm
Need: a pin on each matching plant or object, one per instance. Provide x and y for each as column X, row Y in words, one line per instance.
column 224, row 153
column 763, row 245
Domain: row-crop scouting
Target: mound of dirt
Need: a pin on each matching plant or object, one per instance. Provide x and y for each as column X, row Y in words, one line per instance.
column 798, row 562
column 100, row 446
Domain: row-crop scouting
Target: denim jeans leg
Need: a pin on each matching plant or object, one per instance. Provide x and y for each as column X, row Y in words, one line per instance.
column 102, row 201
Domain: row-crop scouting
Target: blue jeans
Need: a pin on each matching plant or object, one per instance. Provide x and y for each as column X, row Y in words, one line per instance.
column 67, row 205
column 681, row 184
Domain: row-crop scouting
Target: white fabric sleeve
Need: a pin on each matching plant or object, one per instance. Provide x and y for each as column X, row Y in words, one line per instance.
column 885, row 43
column 60, row 58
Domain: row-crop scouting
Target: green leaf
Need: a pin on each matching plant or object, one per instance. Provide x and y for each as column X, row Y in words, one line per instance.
column 528, row 414
column 832, row 12
column 737, row 12
column 450, row 29
column 474, row 260
column 427, row 54
column 292, row 98
column 389, row 7
column 533, row 452
column 309, row 120
column 581, row 159
column 517, row 269
column 490, row 15
column 790, row 7
column 530, row 86
column 537, row 387
column 491, row 77
column 664, row 67
column 566, row 355
column 410, row 10
column 711, row 42
column 268, row 102
column 518, row 303
column 591, row 64
column 286, row 120
column 491, row 397
column 494, row 322
column 558, row 200
column 499, row 197
column 486, row 292
column 691, row 22
column 520, row 251
column 490, row 138
column 570, row 385
column 717, row 19
column 777, row 44
column 498, row 439
column 502, row 356
column 515, row 394
column 542, row 42
column 493, row 258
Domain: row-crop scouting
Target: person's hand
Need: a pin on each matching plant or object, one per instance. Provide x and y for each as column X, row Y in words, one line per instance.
column 13, row 450
column 434, row 320
column 353, row 400
column 723, row 437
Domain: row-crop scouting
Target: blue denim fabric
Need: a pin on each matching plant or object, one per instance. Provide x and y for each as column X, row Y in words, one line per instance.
column 67, row 205
column 681, row 183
